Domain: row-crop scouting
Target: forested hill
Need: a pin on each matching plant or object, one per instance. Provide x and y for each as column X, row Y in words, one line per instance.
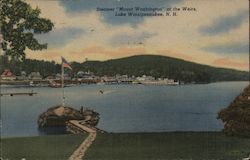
column 157, row 66
column 162, row 66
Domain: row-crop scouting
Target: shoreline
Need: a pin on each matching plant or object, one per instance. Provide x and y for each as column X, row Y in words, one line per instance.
column 127, row 133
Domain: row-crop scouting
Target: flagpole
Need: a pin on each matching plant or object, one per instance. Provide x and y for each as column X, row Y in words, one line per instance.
column 62, row 85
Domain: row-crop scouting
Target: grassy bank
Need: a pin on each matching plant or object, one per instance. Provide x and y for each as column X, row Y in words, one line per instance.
column 172, row 146
column 57, row 147
column 134, row 146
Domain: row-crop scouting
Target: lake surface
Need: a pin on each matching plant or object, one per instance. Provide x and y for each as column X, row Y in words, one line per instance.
column 124, row 108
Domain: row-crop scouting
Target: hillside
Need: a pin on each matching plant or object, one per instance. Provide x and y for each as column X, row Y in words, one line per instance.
column 162, row 66
column 157, row 66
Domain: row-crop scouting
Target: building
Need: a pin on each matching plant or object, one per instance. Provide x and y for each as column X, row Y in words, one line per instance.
column 50, row 78
column 85, row 75
column 123, row 79
column 65, row 76
column 22, row 76
column 145, row 78
column 109, row 80
column 8, row 75
column 35, row 76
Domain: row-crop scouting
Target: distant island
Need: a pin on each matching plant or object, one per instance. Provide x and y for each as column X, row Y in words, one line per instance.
column 134, row 66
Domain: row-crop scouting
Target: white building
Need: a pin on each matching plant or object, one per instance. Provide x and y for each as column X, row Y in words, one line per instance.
column 145, row 78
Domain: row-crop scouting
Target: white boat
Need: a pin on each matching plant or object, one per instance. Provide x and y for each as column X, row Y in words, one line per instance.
column 159, row 82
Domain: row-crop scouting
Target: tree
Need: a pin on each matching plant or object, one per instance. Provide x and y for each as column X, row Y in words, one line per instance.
column 18, row 23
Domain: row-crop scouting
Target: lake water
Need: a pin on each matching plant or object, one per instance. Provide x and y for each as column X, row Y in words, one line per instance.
column 124, row 108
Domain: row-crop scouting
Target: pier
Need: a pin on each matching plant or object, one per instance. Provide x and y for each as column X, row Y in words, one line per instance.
column 79, row 126
column 18, row 94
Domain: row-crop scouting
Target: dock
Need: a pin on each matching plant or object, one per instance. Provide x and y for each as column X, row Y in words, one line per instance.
column 18, row 94
column 79, row 126
column 76, row 126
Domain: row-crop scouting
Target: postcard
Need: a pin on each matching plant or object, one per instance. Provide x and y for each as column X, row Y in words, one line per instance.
column 124, row 80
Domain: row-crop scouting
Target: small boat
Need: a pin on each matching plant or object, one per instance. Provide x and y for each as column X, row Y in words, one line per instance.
column 53, row 84
column 100, row 83
column 101, row 91
column 31, row 84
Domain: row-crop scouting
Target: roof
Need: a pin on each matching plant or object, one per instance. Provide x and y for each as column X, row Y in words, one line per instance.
column 7, row 73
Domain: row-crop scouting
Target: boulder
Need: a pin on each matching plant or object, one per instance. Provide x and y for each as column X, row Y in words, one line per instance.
column 59, row 115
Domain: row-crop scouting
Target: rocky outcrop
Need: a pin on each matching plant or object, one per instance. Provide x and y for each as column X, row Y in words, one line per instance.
column 236, row 117
column 59, row 115
column 91, row 117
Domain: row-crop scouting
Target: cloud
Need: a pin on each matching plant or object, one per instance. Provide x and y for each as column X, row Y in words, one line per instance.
column 131, row 39
column 112, row 52
column 176, row 55
column 229, row 63
column 229, row 48
column 60, row 37
column 105, row 37
column 90, row 52
column 75, row 7
column 225, row 24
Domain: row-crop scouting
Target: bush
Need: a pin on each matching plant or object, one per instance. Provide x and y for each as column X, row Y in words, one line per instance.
column 236, row 117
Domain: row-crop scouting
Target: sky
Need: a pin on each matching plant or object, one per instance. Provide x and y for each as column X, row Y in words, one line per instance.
column 216, row 33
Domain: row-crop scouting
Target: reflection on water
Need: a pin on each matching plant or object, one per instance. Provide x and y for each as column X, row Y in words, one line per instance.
column 124, row 108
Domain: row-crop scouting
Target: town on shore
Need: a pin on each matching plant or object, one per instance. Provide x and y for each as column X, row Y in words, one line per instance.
column 36, row 79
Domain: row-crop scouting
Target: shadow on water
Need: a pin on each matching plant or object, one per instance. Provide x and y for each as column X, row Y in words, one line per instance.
column 52, row 130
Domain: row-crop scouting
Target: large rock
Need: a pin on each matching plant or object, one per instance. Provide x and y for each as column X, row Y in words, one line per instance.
column 236, row 117
column 59, row 115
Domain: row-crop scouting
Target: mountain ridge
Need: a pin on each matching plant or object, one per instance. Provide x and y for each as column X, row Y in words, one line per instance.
column 163, row 66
